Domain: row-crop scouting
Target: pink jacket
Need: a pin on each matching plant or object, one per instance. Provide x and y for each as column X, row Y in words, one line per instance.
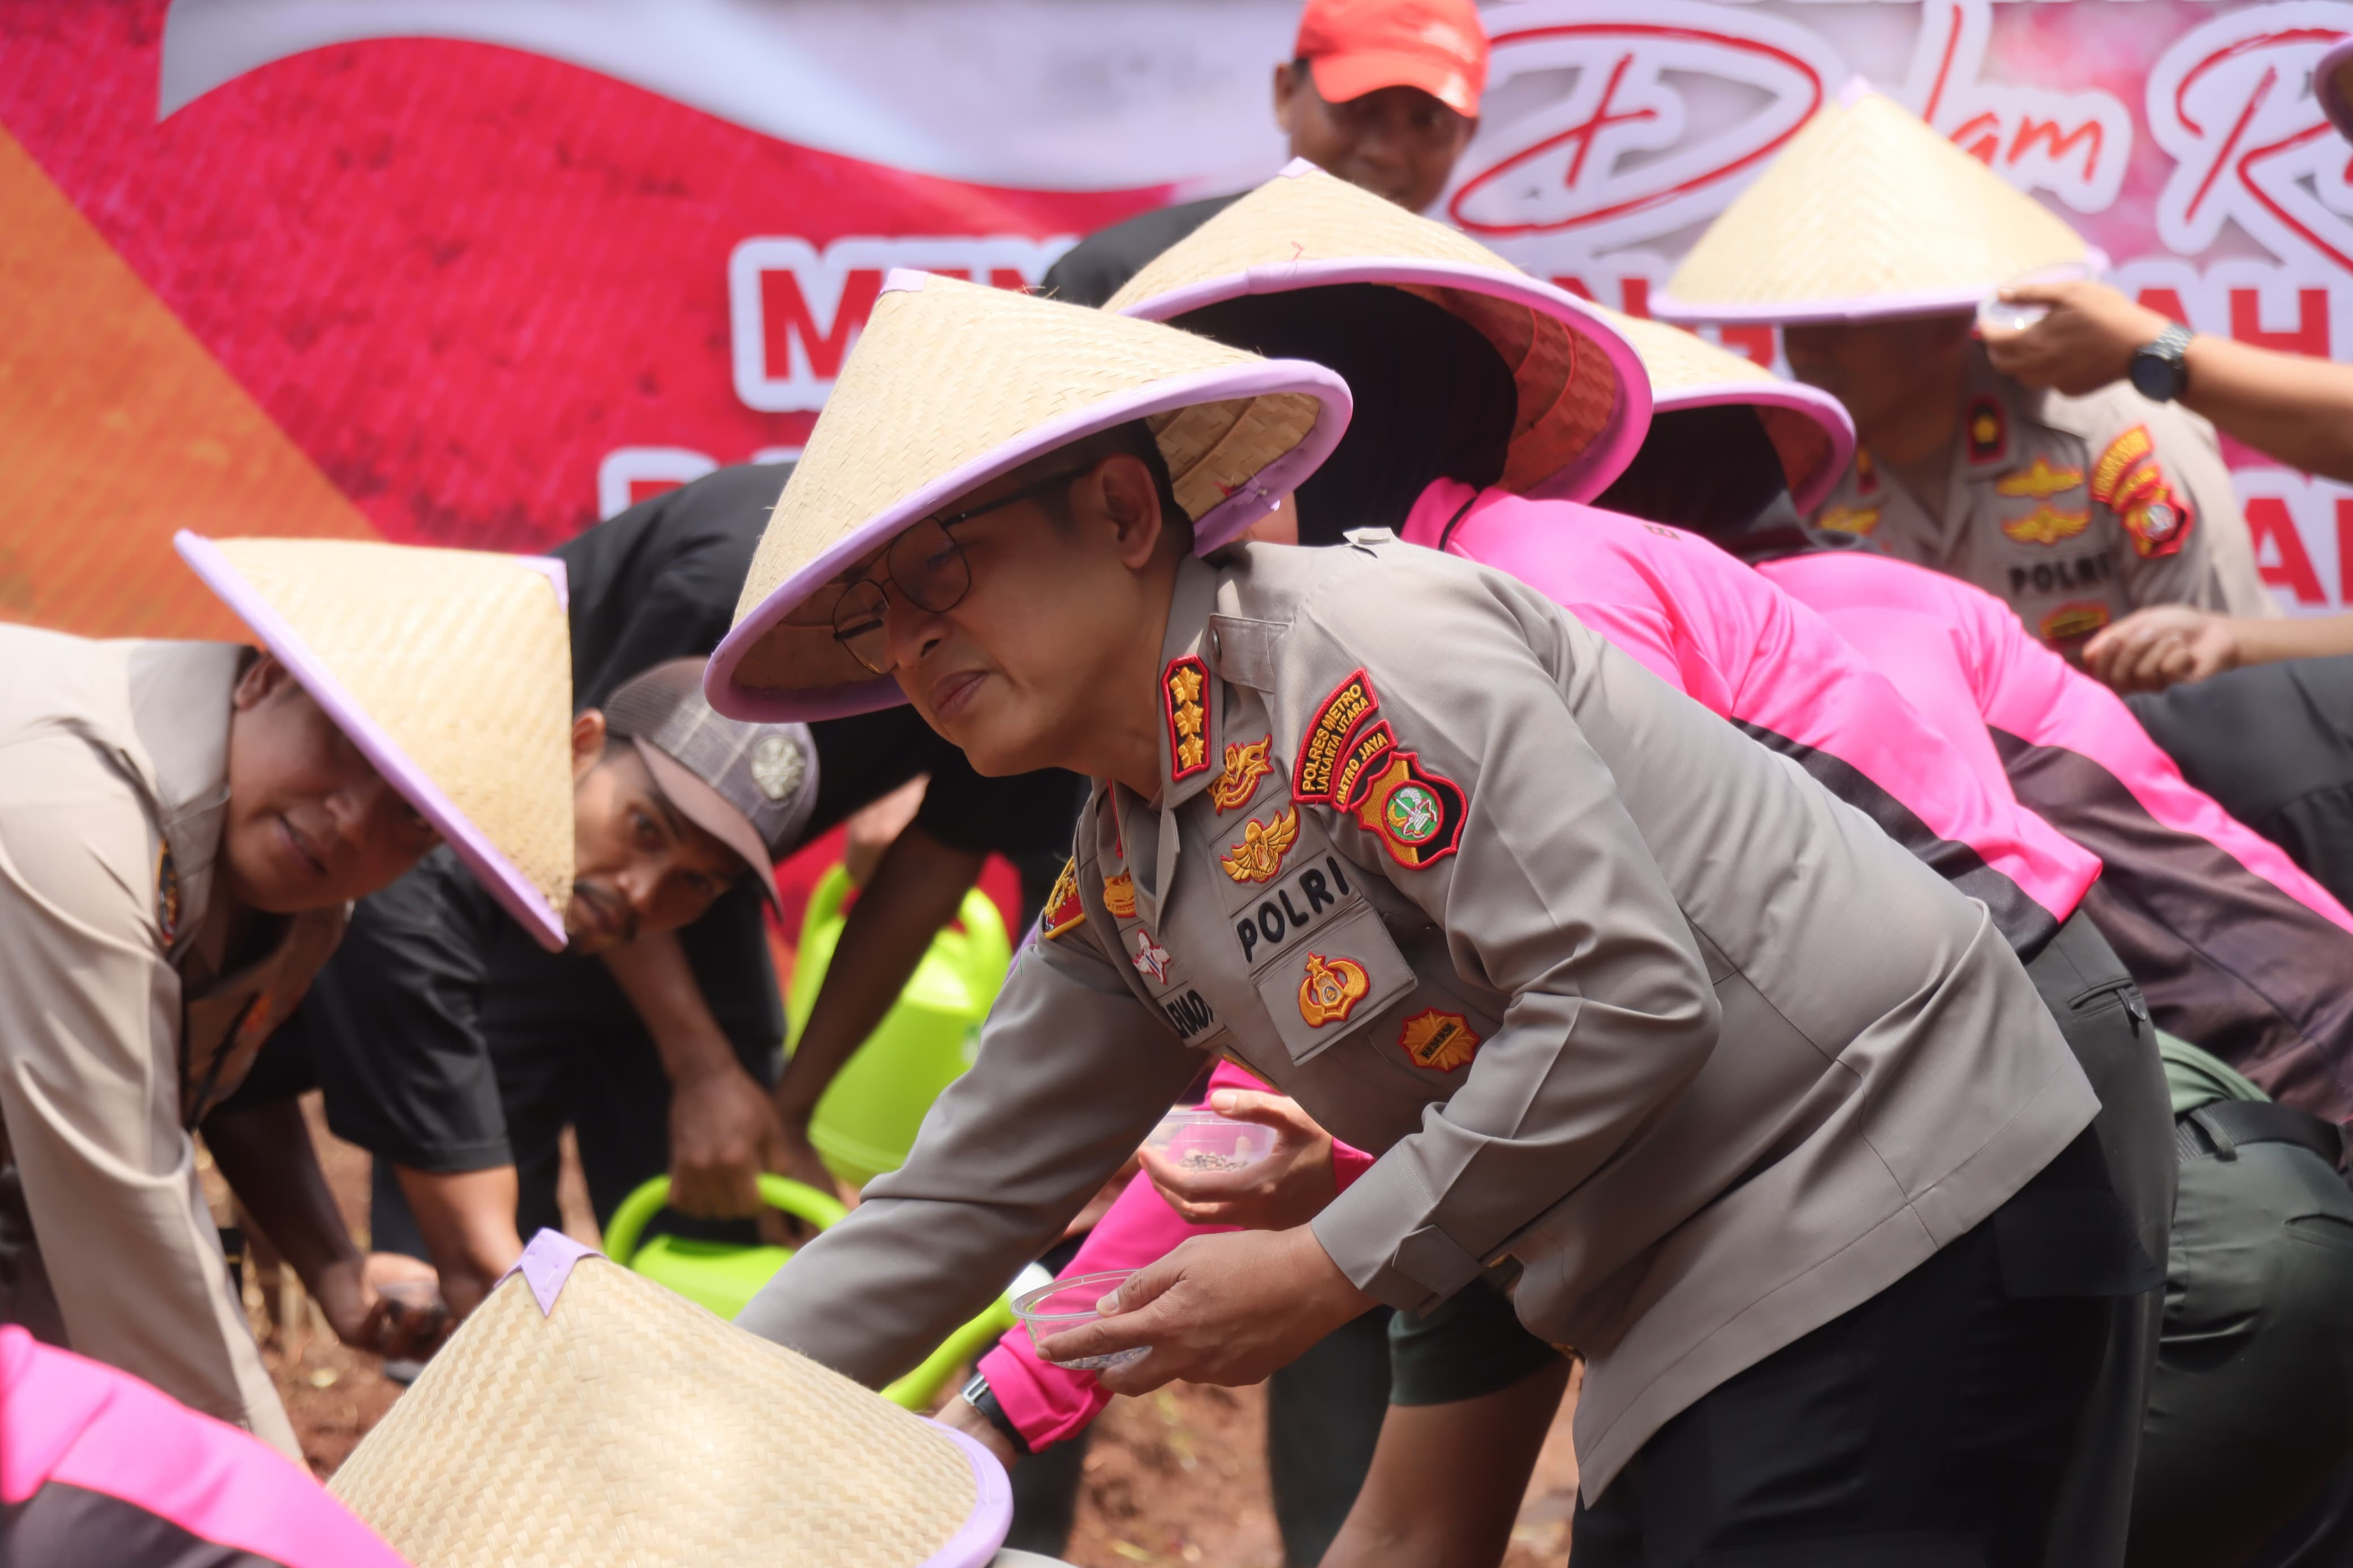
column 2234, row 947
column 96, row 1467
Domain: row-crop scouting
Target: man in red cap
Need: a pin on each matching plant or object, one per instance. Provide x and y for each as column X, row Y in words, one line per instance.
column 1383, row 93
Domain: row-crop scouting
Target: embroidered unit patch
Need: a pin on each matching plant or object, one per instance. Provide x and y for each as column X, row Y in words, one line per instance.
column 167, row 897
column 1181, row 687
column 1245, row 765
column 1063, row 910
column 1987, row 428
column 2039, row 481
column 1416, row 813
column 1331, row 989
column 1361, row 765
column 2158, row 524
column 1859, row 520
column 2046, row 525
column 1351, row 704
column 1119, row 895
column 2140, row 487
column 2108, row 473
column 1259, row 856
column 1438, row 1041
column 2070, row 622
column 1151, row 958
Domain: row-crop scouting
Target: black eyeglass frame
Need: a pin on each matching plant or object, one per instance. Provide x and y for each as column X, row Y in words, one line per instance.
column 846, row 636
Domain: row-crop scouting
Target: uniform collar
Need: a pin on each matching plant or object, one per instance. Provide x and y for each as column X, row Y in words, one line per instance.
column 1190, row 719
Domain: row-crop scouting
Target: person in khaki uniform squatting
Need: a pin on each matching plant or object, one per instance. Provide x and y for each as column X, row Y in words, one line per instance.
column 182, row 826
column 1725, row 1084
column 1869, row 239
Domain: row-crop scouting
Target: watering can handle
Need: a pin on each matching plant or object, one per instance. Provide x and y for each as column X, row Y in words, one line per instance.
column 794, row 1198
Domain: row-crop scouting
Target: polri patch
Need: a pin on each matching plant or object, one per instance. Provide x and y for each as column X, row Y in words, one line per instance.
column 1350, row 704
column 1331, row 988
column 1417, row 814
column 1438, row 1041
column 1064, row 912
column 1361, row 764
column 1182, row 685
column 1245, row 765
column 2109, row 473
column 1259, row 856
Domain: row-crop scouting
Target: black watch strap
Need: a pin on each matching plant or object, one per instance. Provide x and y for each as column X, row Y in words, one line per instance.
column 981, row 1397
column 2161, row 367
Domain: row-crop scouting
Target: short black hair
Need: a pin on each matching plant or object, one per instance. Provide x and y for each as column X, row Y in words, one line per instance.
column 1133, row 439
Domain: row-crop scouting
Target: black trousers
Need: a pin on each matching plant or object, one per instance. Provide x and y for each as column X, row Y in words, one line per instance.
column 1929, row 1427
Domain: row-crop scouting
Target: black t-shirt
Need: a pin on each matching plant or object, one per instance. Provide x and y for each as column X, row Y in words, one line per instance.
column 398, row 1027
column 1099, row 266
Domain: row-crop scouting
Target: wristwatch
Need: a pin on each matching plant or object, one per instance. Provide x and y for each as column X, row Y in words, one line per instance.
column 977, row 1395
column 2160, row 370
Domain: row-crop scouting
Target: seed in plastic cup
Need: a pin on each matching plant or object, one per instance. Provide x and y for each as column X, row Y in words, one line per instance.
column 2007, row 315
column 1194, row 1139
column 1065, row 1304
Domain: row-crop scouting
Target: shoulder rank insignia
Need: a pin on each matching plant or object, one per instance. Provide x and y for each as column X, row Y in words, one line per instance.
column 1866, row 474
column 1361, row 764
column 2159, row 523
column 1350, row 704
column 2072, row 622
column 1988, row 429
column 1063, row 910
column 2108, row 473
column 1119, row 895
column 1331, row 989
column 1859, row 520
column 1417, row 814
column 2039, row 481
column 1259, row 856
column 1150, row 959
column 1245, row 765
column 1438, row 1041
column 1182, row 685
column 2046, row 524
column 167, row 897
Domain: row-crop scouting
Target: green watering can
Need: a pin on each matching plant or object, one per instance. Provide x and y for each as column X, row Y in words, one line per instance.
column 866, row 1121
column 723, row 1276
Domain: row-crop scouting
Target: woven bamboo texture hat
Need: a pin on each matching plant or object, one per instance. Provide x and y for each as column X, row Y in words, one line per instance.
column 587, row 1416
column 1869, row 213
column 450, row 670
column 2332, row 83
column 1810, row 430
column 952, row 385
column 1584, row 402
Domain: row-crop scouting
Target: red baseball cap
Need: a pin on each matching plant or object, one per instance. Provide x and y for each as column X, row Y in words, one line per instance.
column 1357, row 47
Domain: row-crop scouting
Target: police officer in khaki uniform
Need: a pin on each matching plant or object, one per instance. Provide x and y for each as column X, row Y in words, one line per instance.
column 182, row 826
column 1736, row 1096
column 1871, row 239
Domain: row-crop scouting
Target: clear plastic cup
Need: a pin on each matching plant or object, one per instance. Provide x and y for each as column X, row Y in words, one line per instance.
column 2004, row 315
column 1065, row 1304
column 1195, row 1139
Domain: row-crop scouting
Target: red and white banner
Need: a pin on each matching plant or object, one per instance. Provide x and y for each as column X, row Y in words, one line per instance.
column 476, row 271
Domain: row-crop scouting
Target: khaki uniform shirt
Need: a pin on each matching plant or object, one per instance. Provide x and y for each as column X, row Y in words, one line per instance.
column 2077, row 511
column 117, row 1028
column 1610, row 988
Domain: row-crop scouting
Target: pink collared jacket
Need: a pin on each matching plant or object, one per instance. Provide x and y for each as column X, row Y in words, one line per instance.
column 98, row 1468
column 2236, row 949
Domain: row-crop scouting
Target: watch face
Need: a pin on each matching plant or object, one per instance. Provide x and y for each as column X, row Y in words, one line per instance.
column 2154, row 378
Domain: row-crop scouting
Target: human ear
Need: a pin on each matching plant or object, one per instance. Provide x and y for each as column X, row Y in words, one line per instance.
column 587, row 741
column 1286, row 85
column 1131, row 502
column 263, row 679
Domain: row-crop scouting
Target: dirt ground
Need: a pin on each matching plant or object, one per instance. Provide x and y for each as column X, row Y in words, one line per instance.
column 1176, row 1476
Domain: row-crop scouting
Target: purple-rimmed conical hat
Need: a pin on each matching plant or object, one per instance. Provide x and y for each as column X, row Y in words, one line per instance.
column 450, row 670
column 1583, row 402
column 952, row 385
column 1867, row 213
column 1811, row 431
column 586, row 1414
column 2332, row 83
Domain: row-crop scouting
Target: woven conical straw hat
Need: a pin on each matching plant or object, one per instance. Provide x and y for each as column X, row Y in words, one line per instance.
column 1868, row 213
column 1583, row 401
column 2332, row 83
column 450, row 670
column 1809, row 429
column 622, row 1425
column 952, row 385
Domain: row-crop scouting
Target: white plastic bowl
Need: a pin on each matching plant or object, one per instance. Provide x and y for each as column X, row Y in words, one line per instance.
column 1200, row 1140
column 1065, row 1304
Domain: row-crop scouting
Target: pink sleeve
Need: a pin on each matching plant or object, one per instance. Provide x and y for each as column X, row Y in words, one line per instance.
column 77, row 1424
column 1048, row 1404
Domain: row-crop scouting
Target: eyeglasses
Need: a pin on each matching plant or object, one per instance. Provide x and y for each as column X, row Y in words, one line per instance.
column 928, row 568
